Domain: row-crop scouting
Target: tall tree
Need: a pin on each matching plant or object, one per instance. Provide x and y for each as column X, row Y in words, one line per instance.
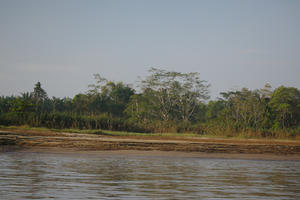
column 109, row 96
column 285, row 102
column 244, row 108
column 175, row 94
column 39, row 94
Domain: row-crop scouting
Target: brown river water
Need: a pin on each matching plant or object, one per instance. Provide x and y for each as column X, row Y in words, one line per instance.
column 33, row 175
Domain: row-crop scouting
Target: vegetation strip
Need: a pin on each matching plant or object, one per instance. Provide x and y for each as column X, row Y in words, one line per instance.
column 167, row 101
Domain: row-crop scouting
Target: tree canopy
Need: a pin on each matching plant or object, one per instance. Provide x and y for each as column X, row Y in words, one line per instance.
column 166, row 101
column 175, row 96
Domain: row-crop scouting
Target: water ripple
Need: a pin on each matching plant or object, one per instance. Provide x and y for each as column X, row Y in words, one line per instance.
column 61, row 176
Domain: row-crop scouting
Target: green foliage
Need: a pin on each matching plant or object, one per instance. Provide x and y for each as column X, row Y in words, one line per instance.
column 245, row 108
column 285, row 103
column 174, row 96
column 108, row 96
column 168, row 102
column 214, row 109
column 39, row 94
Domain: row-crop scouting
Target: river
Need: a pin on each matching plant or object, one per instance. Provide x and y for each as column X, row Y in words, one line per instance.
column 33, row 175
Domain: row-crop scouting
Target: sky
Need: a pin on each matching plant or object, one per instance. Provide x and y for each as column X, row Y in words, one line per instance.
column 232, row 44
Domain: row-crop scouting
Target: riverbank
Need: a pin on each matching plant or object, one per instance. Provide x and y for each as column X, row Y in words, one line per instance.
column 37, row 140
column 162, row 154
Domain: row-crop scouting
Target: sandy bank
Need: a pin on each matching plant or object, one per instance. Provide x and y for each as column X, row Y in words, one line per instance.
column 159, row 146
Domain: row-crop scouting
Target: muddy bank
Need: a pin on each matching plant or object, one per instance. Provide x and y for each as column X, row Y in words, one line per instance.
column 92, row 142
column 70, row 152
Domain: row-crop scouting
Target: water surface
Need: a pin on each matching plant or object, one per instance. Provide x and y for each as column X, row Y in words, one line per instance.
column 25, row 175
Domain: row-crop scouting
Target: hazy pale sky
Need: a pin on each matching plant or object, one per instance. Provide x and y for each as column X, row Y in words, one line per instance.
column 232, row 44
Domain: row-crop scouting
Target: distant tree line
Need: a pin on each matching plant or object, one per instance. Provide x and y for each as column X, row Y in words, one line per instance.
column 168, row 101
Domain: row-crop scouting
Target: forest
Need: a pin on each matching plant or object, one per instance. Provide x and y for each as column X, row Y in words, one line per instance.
column 165, row 101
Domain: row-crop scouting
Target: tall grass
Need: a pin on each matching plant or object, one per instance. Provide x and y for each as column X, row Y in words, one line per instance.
column 70, row 122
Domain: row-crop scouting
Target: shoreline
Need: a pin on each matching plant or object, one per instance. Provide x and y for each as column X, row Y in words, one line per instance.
column 154, row 153
column 95, row 144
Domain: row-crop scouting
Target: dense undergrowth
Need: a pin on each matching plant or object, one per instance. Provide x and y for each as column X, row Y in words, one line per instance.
column 169, row 102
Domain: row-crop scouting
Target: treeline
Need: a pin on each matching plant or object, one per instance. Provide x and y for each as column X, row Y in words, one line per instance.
column 167, row 101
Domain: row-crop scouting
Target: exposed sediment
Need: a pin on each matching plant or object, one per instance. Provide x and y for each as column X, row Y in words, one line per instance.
column 94, row 142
